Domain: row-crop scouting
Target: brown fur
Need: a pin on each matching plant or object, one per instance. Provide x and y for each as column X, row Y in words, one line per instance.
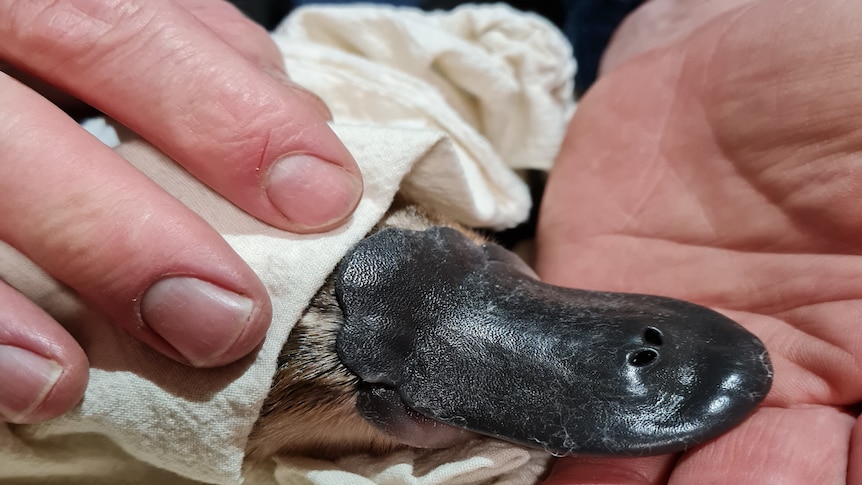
column 311, row 409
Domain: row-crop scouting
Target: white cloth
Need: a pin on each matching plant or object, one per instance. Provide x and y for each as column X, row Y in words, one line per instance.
column 440, row 105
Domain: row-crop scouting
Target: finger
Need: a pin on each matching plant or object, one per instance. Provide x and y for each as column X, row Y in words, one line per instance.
column 92, row 221
column 787, row 446
column 854, row 468
column 225, row 20
column 251, row 41
column 157, row 69
column 44, row 371
column 237, row 31
column 611, row 471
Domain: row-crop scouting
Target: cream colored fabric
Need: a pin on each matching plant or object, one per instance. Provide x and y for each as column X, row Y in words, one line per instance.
column 442, row 106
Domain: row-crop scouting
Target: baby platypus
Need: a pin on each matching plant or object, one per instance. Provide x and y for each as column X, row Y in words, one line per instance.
column 427, row 334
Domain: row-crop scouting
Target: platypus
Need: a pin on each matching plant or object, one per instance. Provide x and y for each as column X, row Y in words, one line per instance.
column 428, row 334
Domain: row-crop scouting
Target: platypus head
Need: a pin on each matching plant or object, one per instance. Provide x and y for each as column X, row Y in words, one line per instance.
column 426, row 335
column 442, row 330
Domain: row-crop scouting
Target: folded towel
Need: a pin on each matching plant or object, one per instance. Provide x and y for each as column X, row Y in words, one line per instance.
column 441, row 106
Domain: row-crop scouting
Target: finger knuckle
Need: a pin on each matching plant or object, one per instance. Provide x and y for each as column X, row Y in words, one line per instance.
column 37, row 30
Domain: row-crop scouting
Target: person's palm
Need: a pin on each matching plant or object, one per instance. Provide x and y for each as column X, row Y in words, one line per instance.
column 726, row 169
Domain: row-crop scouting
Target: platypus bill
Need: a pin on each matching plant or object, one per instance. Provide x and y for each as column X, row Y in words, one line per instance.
column 427, row 335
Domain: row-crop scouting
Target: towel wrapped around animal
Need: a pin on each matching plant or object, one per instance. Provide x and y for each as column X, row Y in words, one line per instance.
column 443, row 107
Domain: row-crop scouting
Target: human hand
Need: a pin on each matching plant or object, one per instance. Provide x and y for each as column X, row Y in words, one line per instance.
column 206, row 86
column 724, row 168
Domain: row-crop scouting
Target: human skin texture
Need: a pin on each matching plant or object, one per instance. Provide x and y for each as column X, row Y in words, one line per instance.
column 658, row 22
column 206, row 86
column 723, row 167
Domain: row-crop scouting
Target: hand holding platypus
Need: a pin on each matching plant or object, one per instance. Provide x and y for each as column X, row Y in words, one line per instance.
column 724, row 168
column 686, row 175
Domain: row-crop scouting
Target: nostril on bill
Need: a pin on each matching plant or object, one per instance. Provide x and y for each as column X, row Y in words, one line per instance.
column 642, row 357
column 653, row 336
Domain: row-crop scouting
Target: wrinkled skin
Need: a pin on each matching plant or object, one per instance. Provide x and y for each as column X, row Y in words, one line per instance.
column 724, row 168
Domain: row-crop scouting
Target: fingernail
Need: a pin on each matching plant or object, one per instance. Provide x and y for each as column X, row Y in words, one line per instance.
column 27, row 378
column 200, row 320
column 312, row 193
